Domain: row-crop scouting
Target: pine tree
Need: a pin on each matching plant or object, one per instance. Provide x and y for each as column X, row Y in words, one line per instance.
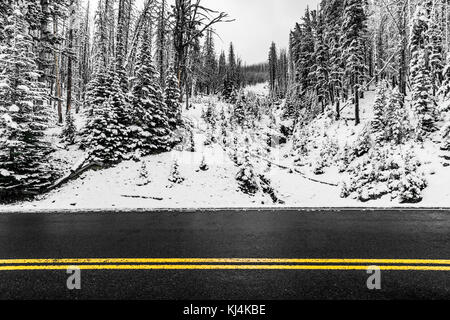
column 436, row 53
column 221, row 72
column 148, row 104
column 246, row 177
column 143, row 178
column 210, row 64
column 69, row 131
column 24, row 151
column 172, row 99
column 378, row 124
column 421, row 86
column 239, row 115
column 231, row 68
column 396, row 118
column 333, row 12
column 321, row 65
column 273, row 64
column 444, row 90
column 175, row 176
column 354, row 27
column 104, row 143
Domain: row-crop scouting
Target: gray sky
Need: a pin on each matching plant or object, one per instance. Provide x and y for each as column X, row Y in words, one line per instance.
column 258, row 23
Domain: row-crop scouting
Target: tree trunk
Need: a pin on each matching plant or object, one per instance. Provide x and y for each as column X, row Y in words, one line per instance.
column 69, row 62
column 357, row 119
column 57, row 74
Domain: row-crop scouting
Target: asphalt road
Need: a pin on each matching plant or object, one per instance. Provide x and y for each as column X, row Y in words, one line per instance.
column 289, row 234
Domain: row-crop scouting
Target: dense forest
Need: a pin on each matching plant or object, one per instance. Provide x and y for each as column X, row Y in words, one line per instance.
column 128, row 68
column 356, row 106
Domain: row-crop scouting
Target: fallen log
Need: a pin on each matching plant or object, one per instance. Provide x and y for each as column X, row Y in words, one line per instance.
column 295, row 170
column 75, row 172
column 278, row 165
column 142, row 197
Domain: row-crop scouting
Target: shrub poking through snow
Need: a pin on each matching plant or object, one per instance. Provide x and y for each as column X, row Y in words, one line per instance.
column 384, row 171
column 318, row 165
column 203, row 165
column 412, row 182
column 266, row 187
column 144, row 177
column 246, row 177
column 210, row 116
column 363, row 143
column 69, row 130
column 175, row 176
column 191, row 142
column 344, row 158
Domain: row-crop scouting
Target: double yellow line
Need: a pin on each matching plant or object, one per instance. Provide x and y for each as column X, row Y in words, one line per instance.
column 223, row 264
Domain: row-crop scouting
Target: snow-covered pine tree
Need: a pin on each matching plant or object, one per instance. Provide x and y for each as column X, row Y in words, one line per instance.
column 273, row 63
column 25, row 168
column 333, row 10
column 246, row 177
column 104, row 143
column 321, row 64
column 354, row 28
column 144, row 178
column 444, row 90
column 421, row 86
column 239, row 115
column 221, row 72
column 436, row 49
column 148, row 104
column 423, row 101
column 175, row 176
column 378, row 123
column 70, row 130
column 172, row 99
column 229, row 93
column 397, row 124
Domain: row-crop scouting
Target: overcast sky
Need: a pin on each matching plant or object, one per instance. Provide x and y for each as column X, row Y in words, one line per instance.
column 258, row 23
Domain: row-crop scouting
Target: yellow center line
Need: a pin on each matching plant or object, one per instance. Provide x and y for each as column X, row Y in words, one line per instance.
column 223, row 267
column 221, row 260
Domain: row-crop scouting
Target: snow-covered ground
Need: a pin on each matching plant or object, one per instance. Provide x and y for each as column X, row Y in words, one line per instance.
column 120, row 187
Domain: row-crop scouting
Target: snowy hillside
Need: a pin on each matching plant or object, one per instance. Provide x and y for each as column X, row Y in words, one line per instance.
column 123, row 186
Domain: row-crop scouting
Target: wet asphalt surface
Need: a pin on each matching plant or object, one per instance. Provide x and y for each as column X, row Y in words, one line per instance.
column 383, row 234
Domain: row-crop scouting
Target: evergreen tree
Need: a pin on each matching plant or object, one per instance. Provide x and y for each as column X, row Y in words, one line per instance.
column 172, row 99
column 239, row 115
column 273, row 66
column 423, row 102
column 378, row 123
column 354, row 28
column 421, row 84
column 24, row 151
column 210, row 64
column 221, row 71
column 396, row 118
column 175, row 176
column 321, row 64
column 231, row 68
column 148, row 104
column 69, row 132
column 436, row 53
column 246, row 177
column 444, row 90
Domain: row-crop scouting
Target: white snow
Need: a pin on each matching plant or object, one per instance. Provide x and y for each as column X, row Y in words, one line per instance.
column 120, row 187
